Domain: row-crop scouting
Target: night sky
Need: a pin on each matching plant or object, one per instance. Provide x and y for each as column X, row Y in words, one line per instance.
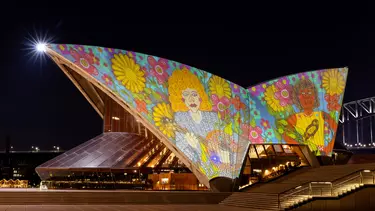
column 40, row 106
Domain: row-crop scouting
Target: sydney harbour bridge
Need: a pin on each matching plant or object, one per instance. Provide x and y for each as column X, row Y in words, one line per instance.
column 357, row 122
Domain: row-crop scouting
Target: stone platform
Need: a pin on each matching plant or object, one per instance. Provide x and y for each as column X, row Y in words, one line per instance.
column 121, row 208
column 106, row 197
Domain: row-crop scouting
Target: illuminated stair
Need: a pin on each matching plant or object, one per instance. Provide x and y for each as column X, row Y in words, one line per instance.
column 337, row 185
column 346, row 189
column 335, row 190
column 295, row 201
column 262, row 201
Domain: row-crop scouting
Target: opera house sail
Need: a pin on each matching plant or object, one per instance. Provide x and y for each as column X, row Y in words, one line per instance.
column 208, row 123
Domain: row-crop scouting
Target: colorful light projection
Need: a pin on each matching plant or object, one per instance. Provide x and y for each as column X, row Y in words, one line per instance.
column 198, row 112
column 298, row 109
column 209, row 119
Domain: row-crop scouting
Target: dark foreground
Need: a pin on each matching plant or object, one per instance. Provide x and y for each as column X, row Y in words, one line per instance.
column 120, row 208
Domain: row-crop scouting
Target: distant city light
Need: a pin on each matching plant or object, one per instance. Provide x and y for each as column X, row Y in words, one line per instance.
column 58, row 148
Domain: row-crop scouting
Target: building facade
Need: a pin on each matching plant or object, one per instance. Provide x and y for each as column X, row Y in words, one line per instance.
column 213, row 127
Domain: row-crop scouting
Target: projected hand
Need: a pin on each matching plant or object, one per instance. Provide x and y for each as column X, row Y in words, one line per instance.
column 191, row 139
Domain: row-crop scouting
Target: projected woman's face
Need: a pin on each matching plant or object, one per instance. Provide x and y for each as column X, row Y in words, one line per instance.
column 191, row 99
column 306, row 97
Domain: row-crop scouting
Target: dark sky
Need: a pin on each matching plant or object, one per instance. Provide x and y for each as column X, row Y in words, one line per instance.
column 41, row 107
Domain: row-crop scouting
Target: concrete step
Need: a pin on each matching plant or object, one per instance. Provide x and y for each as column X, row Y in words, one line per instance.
column 253, row 200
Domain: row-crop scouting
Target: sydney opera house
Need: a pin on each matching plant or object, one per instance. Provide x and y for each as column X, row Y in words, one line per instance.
column 170, row 126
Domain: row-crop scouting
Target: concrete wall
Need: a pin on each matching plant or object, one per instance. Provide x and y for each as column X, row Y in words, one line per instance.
column 363, row 199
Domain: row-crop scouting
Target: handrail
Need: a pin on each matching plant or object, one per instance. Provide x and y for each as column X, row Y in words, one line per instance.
column 306, row 183
column 333, row 186
column 299, row 190
column 347, row 180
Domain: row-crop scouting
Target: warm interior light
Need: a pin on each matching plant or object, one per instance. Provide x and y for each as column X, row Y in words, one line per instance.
column 41, row 47
column 266, row 172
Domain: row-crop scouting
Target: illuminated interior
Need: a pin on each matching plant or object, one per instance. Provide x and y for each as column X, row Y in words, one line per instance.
column 266, row 162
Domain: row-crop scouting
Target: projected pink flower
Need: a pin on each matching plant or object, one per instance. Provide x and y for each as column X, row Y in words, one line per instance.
column 284, row 93
column 63, row 48
column 256, row 90
column 159, row 69
column 303, row 76
column 235, row 88
column 265, row 123
column 84, row 60
column 107, row 80
column 255, row 135
column 220, row 104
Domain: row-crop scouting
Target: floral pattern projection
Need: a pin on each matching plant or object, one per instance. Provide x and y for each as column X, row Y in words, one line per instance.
column 298, row 109
column 208, row 118
column 203, row 115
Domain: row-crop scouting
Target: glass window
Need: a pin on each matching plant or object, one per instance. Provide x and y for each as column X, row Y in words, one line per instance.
column 261, row 151
column 278, row 148
column 287, row 149
column 269, row 149
column 252, row 152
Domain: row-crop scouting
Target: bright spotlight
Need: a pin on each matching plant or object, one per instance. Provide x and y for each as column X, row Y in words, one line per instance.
column 41, row 47
column 37, row 46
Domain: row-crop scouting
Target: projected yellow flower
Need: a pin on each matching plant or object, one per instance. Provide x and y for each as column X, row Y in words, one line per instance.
column 128, row 72
column 269, row 97
column 333, row 82
column 163, row 118
column 219, row 87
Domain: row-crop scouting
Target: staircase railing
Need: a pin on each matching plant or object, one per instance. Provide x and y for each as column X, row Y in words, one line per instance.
column 326, row 189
